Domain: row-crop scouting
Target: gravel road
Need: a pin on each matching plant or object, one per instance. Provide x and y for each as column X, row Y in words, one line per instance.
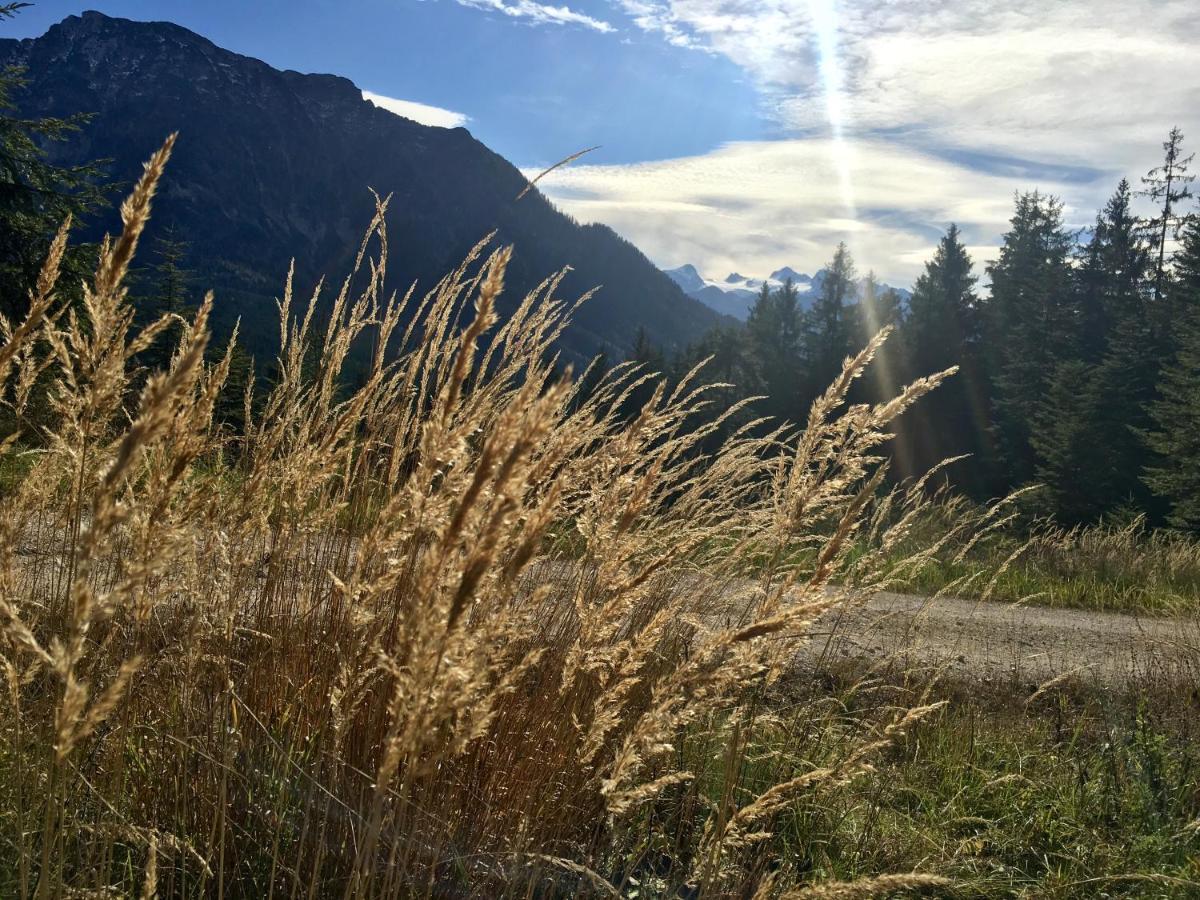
column 988, row 641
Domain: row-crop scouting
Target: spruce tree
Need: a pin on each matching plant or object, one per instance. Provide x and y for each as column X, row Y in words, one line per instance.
column 1111, row 274
column 876, row 310
column 1066, row 438
column 1030, row 325
column 943, row 312
column 1117, row 343
column 943, row 330
column 1168, row 187
column 168, row 286
column 773, row 332
column 828, row 323
column 1128, row 370
column 1175, row 415
column 650, row 361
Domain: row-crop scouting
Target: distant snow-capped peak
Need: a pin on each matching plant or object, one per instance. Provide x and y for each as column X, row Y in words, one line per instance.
column 734, row 295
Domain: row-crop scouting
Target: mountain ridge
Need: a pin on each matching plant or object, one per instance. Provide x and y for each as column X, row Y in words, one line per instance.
column 273, row 164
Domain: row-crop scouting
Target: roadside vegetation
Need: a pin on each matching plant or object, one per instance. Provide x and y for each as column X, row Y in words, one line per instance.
column 335, row 653
column 1127, row 568
column 1062, row 792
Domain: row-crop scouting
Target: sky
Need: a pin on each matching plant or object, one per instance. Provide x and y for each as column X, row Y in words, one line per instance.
column 750, row 134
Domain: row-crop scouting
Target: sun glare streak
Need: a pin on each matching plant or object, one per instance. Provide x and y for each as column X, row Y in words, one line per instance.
column 824, row 19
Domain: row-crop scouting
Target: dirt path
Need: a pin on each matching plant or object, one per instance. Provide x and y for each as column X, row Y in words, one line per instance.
column 982, row 641
column 987, row 641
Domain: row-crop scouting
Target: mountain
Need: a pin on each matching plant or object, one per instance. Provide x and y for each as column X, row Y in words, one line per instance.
column 734, row 296
column 687, row 278
column 272, row 165
column 782, row 275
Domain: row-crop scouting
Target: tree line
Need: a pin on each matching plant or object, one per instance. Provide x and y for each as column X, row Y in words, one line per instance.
column 1078, row 362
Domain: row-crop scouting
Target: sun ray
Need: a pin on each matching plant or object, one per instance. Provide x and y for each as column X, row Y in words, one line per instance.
column 829, row 65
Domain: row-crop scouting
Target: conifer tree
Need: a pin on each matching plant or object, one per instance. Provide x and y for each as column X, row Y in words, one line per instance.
column 876, row 310
column 172, row 279
column 943, row 330
column 773, row 332
column 651, row 361
column 943, row 312
column 1111, row 275
column 1175, row 432
column 1090, row 454
column 1030, row 325
column 828, row 323
column 1168, row 187
column 1128, row 370
column 168, row 284
column 1065, row 438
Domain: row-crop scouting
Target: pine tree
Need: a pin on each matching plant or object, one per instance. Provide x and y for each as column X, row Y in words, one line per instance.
column 1167, row 186
column 1030, row 325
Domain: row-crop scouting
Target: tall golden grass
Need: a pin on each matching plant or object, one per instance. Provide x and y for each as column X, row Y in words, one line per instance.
column 344, row 653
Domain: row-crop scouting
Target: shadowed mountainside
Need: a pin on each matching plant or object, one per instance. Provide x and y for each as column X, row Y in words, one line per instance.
column 274, row 164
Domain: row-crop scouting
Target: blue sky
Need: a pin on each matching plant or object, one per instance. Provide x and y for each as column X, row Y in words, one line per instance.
column 533, row 93
column 749, row 134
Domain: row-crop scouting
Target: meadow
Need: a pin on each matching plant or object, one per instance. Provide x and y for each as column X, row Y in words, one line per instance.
column 349, row 651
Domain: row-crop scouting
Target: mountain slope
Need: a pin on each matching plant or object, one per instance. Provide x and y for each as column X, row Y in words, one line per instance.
column 274, row 164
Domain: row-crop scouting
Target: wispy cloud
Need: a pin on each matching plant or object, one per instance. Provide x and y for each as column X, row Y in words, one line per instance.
column 755, row 206
column 903, row 115
column 1072, row 80
column 539, row 13
column 418, row 112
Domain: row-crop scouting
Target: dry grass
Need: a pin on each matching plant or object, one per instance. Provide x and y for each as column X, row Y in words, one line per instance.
column 336, row 656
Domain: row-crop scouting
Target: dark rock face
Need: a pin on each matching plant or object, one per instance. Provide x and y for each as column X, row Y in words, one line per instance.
column 272, row 165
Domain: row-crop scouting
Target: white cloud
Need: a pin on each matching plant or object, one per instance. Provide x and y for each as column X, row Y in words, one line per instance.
column 904, row 115
column 539, row 13
column 1097, row 82
column 418, row 112
column 755, row 206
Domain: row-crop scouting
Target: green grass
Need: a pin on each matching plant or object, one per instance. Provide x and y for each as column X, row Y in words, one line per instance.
column 1037, row 584
column 1032, row 803
column 1070, row 797
column 1127, row 569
